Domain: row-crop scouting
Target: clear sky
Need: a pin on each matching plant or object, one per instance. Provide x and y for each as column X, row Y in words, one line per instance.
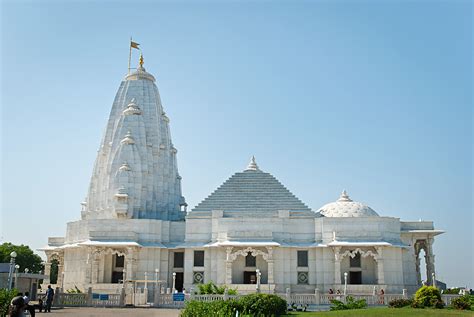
column 374, row 97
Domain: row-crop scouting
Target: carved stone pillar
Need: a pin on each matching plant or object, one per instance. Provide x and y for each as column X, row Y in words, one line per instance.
column 418, row 272
column 228, row 266
column 380, row 268
column 130, row 261
column 271, row 279
column 429, row 257
column 337, row 265
column 95, row 267
column 60, row 280
column 47, row 271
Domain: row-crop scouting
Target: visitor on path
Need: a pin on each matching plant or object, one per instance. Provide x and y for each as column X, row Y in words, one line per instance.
column 382, row 297
column 331, row 292
column 17, row 307
column 49, row 299
column 28, row 307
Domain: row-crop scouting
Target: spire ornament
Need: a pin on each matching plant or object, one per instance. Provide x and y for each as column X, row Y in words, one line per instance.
column 141, row 61
column 344, row 196
column 252, row 165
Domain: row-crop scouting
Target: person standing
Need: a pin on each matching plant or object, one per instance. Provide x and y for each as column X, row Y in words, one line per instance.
column 49, row 299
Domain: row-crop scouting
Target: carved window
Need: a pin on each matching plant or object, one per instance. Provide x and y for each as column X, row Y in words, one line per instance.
column 179, row 259
column 355, row 261
column 250, row 260
column 198, row 277
column 303, row 278
column 302, row 258
column 198, row 258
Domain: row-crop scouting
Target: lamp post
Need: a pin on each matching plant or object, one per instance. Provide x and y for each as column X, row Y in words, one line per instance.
column 124, row 272
column 10, row 272
column 62, row 281
column 27, row 270
column 433, row 279
column 259, row 274
column 174, row 282
column 17, row 267
column 157, row 271
column 345, row 283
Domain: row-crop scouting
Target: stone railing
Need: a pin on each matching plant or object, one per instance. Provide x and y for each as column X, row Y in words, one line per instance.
column 89, row 299
column 325, row 299
column 71, row 300
column 448, row 298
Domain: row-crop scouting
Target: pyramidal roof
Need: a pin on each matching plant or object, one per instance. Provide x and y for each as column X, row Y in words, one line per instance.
column 251, row 191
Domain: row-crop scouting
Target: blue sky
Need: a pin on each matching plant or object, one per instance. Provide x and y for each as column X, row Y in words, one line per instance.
column 374, row 97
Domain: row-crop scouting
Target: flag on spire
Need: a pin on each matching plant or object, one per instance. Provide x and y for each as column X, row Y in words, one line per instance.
column 134, row 44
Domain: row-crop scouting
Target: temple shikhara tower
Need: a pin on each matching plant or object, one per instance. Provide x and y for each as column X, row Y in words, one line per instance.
column 135, row 227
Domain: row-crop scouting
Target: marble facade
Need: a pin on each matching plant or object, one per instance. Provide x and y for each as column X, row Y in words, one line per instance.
column 135, row 226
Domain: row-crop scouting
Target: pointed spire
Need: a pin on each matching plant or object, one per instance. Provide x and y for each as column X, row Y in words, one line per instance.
column 252, row 165
column 344, row 196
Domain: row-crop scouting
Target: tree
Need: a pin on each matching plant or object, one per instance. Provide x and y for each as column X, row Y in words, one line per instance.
column 25, row 258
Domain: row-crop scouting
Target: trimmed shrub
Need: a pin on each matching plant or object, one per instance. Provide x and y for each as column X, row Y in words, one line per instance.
column 219, row 308
column 263, row 305
column 350, row 304
column 6, row 297
column 399, row 303
column 427, row 296
column 461, row 303
column 253, row 305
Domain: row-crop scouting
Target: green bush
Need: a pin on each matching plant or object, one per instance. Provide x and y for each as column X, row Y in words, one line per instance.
column 211, row 288
column 262, row 305
column 6, row 297
column 427, row 296
column 252, row 305
column 219, row 308
column 461, row 303
column 399, row 303
column 350, row 304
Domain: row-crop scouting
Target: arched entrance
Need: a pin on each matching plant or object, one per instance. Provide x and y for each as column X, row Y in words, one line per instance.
column 242, row 271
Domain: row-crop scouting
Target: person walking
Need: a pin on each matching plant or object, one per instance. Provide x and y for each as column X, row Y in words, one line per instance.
column 49, row 299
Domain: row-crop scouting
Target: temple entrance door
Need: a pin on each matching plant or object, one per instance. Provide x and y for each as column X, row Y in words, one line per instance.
column 179, row 281
column 250, row 277
column 355, row 277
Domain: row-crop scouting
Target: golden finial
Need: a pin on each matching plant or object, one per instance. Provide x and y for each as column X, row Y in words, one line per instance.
column 141, row 60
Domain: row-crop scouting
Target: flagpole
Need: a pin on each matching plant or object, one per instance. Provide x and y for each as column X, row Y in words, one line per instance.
column 130, row 55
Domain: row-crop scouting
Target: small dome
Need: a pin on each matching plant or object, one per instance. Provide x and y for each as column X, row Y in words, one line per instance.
column 345, row 207
column 132, row 109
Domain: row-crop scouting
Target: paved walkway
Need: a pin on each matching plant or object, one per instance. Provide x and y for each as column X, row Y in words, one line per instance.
column 111, row 312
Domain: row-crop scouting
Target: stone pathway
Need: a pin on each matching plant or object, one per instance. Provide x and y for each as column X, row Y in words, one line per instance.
column 111, row 312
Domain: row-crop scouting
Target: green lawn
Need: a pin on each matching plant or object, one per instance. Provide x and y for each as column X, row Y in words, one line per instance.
column 384, row 311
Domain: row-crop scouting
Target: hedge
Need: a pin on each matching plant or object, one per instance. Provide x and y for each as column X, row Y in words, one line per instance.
column 265, row 305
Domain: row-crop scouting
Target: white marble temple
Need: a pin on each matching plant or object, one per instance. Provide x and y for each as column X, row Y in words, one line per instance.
column 134, row 225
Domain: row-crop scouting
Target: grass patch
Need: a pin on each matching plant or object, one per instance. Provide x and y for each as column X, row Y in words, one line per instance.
column 385, row 311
